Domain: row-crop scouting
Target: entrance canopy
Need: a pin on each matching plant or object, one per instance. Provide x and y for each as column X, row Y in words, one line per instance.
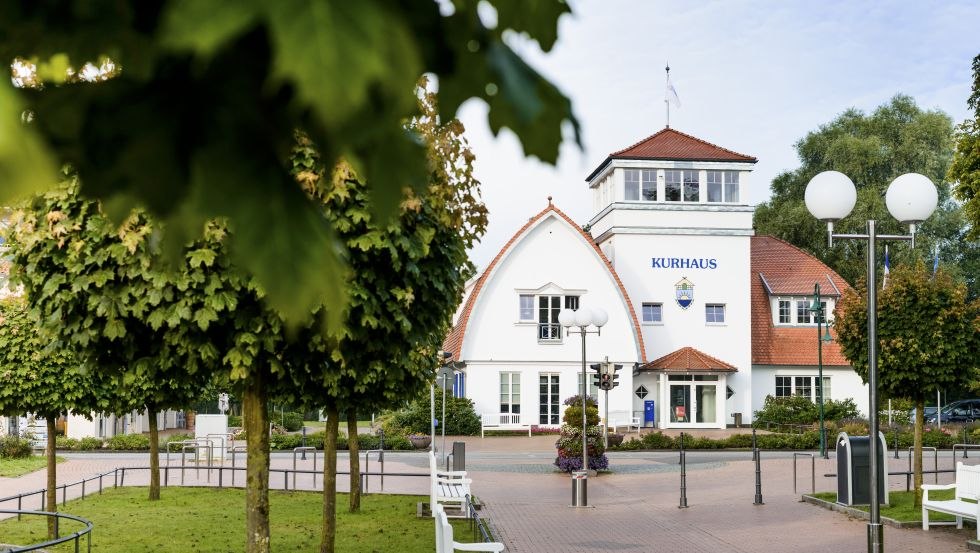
column 685, row 360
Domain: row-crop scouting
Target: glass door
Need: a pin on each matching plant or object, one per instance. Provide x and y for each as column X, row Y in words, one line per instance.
column 680, row 402
column 548, row 401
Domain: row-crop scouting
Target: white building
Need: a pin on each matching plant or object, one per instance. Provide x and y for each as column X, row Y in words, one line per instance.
column 704, row 316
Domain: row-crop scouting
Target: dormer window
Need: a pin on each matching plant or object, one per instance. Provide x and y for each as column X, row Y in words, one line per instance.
column 796, row 310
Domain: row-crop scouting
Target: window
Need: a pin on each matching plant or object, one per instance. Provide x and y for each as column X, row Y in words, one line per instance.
column 672, row 186
column 653, row 312
column 548, row 309
column 785, row 315
column 527, row 307
column 692, row 190
column 510, row 392
column 796, row 311
column 549, row 404
column 571, row 302
column 731, row 186
column 650, row 185
column 714, row 186
column 714, row 313
column 805, row 386
column 632, row 177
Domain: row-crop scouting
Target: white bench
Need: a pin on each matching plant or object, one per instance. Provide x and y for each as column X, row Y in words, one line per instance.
column 447, row 487
column 964, row 504
column 622, row 418
column 446, row 543
column 503, row 421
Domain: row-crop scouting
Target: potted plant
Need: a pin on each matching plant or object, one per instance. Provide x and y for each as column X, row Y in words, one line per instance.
column 420, row 441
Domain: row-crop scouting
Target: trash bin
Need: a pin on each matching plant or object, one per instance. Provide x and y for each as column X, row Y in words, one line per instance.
column 459, row 455
column 738, row 419
column 580, row 488
column 649, row 413
column 854, row 470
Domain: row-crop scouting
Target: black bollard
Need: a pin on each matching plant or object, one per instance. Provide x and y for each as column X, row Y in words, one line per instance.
column 966, row 442
column 683, row 503
column 758, row 472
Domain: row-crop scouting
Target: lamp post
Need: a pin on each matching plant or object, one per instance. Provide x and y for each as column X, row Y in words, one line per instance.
column 818, row 311
column 911, row 198
column 583, row 318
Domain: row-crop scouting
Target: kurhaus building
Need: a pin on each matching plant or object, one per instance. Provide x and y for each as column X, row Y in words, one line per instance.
column 706, row 318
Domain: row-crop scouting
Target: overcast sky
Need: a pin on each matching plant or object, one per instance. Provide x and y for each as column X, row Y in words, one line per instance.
column 752, row 76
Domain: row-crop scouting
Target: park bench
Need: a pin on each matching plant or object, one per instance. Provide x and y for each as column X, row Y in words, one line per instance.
column 448, row 487
column 622, row 418
column 503, row 421
column 963, row 505
column 445, row 541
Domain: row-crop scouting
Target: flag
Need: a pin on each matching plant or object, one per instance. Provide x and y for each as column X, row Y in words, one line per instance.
column 884, row 280
column 935, row 262
column 671, row 94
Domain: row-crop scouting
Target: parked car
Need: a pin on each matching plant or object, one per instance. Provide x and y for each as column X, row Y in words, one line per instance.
column 964, row 410
column 927, row 412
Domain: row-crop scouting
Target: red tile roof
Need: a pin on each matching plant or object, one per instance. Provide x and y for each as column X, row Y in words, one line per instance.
column 671, row 144
column 454, row 340
column 688, row 359
column 780, row 268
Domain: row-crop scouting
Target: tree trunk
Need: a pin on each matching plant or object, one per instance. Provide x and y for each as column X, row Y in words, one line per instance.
column 353, row 447
column 151, row 413
column 920, row 405
column 256, row 420
column 52, row 500
column 329, row 533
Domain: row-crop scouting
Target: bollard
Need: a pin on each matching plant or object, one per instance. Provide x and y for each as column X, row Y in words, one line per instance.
column 683, row 461
column 966, row 441
column 758, row 472
column 896, row 442
column 580, row 490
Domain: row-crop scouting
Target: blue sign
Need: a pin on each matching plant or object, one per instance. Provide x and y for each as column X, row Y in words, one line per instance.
column 684, row 293
column 683, row 263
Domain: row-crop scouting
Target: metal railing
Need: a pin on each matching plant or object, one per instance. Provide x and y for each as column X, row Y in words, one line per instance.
column 74, row 536
column 478, row 526
column 935, row 462
column 813, row 470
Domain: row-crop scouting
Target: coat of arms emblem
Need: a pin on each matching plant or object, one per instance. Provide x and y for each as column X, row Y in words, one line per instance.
column 684, row 293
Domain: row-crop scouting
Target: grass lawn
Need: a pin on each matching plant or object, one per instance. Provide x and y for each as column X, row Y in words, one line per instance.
column 213, row 520
column 900, row 506
column 12, row 468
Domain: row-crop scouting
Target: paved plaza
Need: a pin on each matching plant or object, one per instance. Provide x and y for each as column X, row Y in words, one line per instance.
column 635, row 509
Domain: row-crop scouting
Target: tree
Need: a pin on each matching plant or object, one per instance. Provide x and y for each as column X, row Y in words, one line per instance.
column 37, row 379
column 965, row 169
column 407, row 277
column 928, row 336
column 198, row 122
column 898, row 137
column 104, row 292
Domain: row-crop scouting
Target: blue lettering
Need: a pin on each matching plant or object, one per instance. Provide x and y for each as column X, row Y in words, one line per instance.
column 683, row 263
column 673, row 262
column 712, row 264
column 656, row 263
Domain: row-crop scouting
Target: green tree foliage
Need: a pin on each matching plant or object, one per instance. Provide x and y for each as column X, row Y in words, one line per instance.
column 897, row 138
column 37, row 379
column 105, row 294
column 928, row 336
column 406, row 280
column 461, row 417
column 198, row 120
column 965, row 169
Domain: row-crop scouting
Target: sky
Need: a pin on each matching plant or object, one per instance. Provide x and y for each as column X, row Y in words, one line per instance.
column 752, row 76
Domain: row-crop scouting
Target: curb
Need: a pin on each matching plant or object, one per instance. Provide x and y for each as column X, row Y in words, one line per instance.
column 857, row 513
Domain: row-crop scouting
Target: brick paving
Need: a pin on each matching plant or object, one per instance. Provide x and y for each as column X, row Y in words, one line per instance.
column 632, row 510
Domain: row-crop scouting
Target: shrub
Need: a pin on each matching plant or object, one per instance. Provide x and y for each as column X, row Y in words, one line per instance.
column 285, row 441
column 90, row 443
column 61, row 442
column 235, row 421
column 292, row 421
column 128, row 442
column 176, row 438
column 13, row 447
column 461, row 417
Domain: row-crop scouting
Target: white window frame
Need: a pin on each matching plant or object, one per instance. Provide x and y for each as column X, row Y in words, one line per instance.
column 510, row 392
column 526, row 313
column 795, row 386
column 687, row 182
column 548, row 404
column 643, row 313
column 648, row 185
column 716, row 306
column 732, row 187
column 794, row 303
column 631, row 185
column 669, row 176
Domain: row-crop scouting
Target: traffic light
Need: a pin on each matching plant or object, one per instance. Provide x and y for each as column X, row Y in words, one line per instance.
column 605, row 381
column 615, row 375
column 595, row 380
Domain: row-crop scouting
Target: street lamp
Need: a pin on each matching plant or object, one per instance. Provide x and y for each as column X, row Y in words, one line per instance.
column 583, row 318
column 818, row 311
column 911, row 198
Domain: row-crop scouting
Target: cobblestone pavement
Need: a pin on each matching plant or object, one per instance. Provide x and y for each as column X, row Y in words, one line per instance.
column 635, row 509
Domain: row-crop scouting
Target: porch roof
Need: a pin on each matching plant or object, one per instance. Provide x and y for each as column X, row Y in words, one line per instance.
column 687, row 359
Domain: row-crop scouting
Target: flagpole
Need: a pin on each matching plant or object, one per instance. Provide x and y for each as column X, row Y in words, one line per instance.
column 666, row 99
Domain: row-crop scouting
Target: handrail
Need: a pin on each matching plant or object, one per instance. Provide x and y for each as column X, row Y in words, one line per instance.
column 964, row 447
column 303, row 450
column 935, row 461
column 74, row 536
column 366, row 472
